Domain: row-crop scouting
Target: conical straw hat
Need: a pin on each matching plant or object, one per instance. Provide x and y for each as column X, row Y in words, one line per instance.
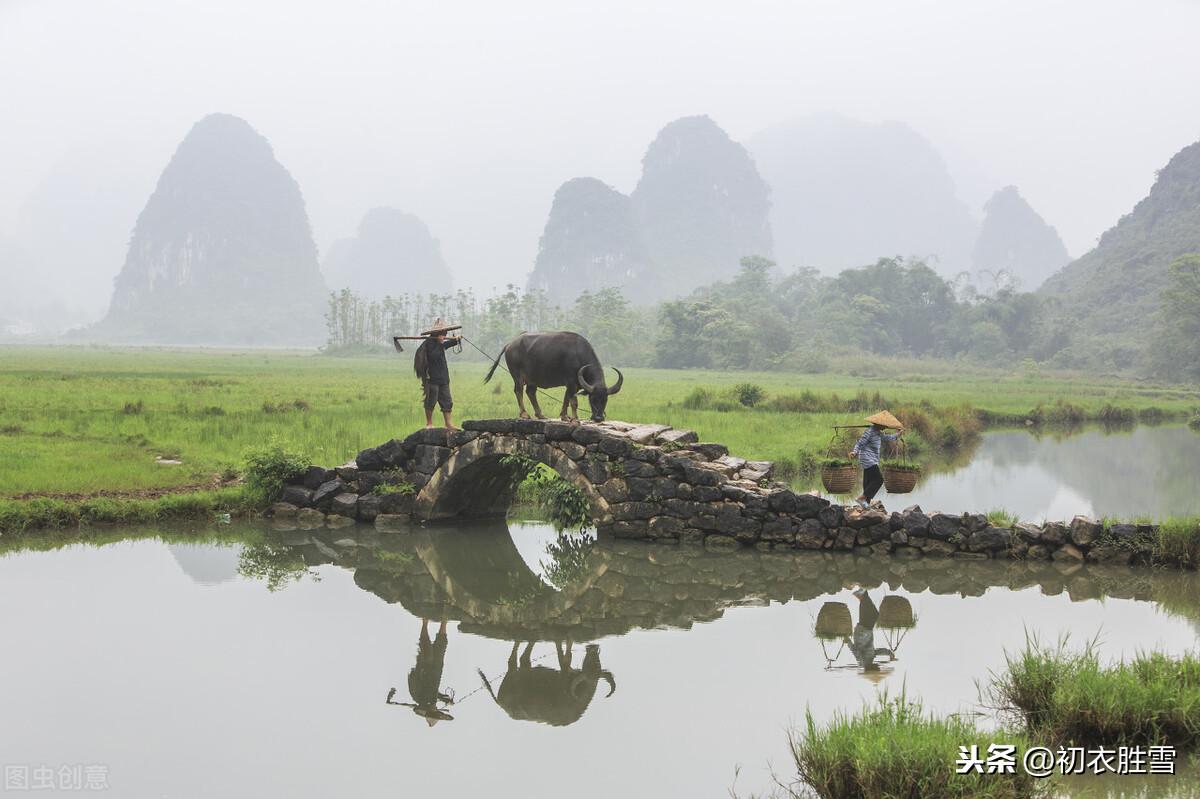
column 886, row 419
column 439, row 326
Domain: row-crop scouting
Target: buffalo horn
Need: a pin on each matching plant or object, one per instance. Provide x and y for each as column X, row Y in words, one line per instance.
column 582, row 380
column 620, row 380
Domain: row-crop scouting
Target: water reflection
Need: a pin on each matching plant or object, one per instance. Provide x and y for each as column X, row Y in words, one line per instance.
column 425, row 679
column 1143, row 471
column 557, row 697
column 548, row 622
column 895, row 618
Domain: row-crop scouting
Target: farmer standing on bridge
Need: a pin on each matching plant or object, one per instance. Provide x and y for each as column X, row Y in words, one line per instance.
column 429, row 363
column 867, row 452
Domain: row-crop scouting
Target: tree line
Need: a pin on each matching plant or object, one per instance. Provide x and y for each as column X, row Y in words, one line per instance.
column 764, row 320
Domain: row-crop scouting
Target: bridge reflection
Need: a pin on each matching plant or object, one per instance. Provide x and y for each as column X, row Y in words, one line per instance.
column 475, row 575
column 587, row 589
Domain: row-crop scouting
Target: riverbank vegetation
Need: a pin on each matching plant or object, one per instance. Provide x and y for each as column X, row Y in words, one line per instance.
column 1065, row 697
column 1046, row 696
column 894, row 748
column 80, row 424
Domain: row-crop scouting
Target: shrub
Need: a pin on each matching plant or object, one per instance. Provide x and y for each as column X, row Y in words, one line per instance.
column 1178, row 542
column 892, row 748
column 564, row 504
column 1194, row 423
column 268, row 468
column 749, row 394
column 383, row 489
column 1118, row 417
column 999, row 517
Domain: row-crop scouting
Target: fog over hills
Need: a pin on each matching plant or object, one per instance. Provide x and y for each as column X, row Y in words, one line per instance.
column 222, row 253
column 471, row 115
column 1110, row 294
column 1014, row 239
column 591, row 241
column 394, row 253
column 699, row 207
column 846, row 192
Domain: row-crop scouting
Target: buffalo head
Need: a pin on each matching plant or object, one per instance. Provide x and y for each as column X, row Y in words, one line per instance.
column 598, row 393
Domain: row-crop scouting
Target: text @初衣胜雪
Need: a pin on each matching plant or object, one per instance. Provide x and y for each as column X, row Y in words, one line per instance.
column 1041, row 761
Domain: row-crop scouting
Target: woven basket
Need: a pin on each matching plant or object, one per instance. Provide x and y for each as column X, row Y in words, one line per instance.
column 900, row 481
column 839, row 479
column 895, row 613
column 833, row 621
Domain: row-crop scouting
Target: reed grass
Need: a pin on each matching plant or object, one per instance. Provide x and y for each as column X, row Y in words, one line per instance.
column 892, row 748
column 1067, row 697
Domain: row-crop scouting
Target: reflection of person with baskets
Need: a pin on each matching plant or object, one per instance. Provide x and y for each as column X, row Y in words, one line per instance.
column 867, row 452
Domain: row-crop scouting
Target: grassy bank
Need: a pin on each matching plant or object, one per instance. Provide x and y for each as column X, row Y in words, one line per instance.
column 1068, row 698
column 893, row 748
column 42, row 513
column 78, row 421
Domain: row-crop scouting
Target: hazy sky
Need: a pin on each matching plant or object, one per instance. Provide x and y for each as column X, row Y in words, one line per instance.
column 470, row 114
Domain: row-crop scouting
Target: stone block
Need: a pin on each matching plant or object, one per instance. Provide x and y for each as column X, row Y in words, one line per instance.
column 1085, row 531
column 388, row 455
column 299, row 496
column 282, row 510
column 586, row 434
column 502, row 426
column 831, row 516
column 1067, row 553
column 676, row 437
column 369, row 506
column 709, row 451
column 429, row 457
column 393, row 523
column 344, row 505
column 989, row 539
column 943, row 526
column 324, row 495
column 460, row 437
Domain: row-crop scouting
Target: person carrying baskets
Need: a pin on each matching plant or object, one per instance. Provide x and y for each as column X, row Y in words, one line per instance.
column 867, row 452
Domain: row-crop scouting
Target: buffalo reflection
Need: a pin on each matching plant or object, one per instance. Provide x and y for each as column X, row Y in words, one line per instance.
column 425, row 679
column 557, row 697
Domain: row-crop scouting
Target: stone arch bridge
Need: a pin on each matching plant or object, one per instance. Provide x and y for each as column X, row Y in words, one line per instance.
column 653, row 481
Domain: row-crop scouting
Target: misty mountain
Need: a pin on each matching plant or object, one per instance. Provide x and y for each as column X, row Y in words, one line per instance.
column 75, row 222
column 591, row 241
column 1014, row 238
column 1108, row 296
column 222, row 253
column 845, row 193
column 701, row 206
column 394, row 253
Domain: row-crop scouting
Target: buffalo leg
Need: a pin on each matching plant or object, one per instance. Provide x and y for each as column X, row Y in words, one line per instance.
column 575, row 409
column 520, row 398
column 564, row 658
column 566, row 402
column 531, row 390
column 512, row 657
column 526, row 663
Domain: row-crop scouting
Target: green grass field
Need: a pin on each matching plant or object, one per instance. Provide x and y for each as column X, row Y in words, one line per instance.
column 83, row 421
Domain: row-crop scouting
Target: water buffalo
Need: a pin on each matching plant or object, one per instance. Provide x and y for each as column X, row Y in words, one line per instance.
column 549, row 360
column 557, row 697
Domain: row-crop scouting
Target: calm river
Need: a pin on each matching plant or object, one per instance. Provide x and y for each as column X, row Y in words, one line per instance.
column 265, row 665
column 1143, row 471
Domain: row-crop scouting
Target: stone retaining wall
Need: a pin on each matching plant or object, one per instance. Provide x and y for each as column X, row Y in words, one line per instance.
column 655, row 482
